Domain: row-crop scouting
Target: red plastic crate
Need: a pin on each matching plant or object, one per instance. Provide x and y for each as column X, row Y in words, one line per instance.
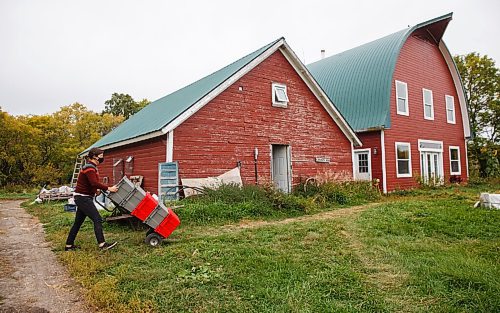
column 145, row 207
column 169, row 224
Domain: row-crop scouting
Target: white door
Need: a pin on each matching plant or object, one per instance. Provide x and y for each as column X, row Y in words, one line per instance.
column 362, row 165
column 281, row 167
column 431, row 167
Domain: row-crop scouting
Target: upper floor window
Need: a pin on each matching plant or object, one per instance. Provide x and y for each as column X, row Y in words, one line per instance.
column 402, row 98
column 403, row 159
column 450, row 109
column 280, row 97
column 428, row 104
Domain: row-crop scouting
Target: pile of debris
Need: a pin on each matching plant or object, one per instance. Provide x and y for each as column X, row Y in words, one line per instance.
column 61, row 193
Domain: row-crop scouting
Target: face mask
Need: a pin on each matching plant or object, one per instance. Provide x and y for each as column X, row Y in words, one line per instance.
column 100, row 160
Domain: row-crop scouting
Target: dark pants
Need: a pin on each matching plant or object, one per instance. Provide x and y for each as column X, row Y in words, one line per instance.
column 86, row 207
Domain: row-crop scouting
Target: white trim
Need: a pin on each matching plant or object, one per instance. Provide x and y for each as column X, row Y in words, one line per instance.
column 466, row 158
column 170, row 146
column 407, row 112
column 459, row 165
column 369, row 150
column 306, row 76
column 126, row 142
column 352, row 160
column 458, row 87
column 384, row 170
column 446, row 97
column 279, row 104
column 424, row 90
column 430, row 149
column 407, row 144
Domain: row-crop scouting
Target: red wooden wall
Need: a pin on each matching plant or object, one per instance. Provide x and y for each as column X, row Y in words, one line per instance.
column 228, row 129
column 421, row 65
column 147, row 154
column 372, row 140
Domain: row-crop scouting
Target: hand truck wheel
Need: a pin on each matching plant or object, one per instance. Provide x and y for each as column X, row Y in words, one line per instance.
column 153, row 239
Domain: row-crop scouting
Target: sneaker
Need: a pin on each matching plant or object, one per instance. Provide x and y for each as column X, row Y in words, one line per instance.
column 72, row 248
column 107, row 246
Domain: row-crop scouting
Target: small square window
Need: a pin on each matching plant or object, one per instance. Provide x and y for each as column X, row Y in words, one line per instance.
column 280, row 97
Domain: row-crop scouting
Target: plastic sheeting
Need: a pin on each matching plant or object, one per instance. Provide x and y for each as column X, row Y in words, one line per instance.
column 489, row 200
column 230, row 177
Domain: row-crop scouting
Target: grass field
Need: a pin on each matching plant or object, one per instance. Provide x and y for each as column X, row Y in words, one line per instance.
column 422, row 251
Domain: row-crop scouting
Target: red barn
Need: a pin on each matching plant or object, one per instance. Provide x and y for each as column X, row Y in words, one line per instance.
column 263, row 112
column 403, row 96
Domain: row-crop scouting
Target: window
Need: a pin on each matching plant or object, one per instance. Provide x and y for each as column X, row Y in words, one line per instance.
column 129, row 166
column 428, row 104
column 455, row 161
column 402, row 98
column 403, row 159
column 117, row 170
column 450, row 109
column 363, row 162
column 280, row 97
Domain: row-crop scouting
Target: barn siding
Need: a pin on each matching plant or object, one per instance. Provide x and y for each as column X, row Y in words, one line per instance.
column 372, row 140
column 231, row 126
column 147, row 154
column 421, row 65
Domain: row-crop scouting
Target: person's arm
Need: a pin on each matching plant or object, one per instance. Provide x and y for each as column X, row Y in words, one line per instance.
column 94, row 181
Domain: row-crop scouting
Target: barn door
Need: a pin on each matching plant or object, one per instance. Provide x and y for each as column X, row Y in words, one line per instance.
column 281, row 167
column 362, row 165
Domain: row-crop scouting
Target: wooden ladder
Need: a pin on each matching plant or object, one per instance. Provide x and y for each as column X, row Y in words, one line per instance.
column 76, row 171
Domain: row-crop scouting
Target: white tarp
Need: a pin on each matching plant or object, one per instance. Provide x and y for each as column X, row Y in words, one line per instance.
column 490, row 200
column 230, row 177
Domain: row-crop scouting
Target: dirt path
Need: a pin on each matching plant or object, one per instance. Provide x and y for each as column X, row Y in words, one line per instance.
column 31, row 279
column 251, row 224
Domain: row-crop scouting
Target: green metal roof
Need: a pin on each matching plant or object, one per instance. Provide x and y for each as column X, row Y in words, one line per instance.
column 359, row 81
column 161, row 112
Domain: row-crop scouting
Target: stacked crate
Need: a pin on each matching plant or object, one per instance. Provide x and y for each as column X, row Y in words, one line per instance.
column 145, row 207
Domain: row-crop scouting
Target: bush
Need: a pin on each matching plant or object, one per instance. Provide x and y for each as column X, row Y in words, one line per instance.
column 233, row 203
column 342, row 193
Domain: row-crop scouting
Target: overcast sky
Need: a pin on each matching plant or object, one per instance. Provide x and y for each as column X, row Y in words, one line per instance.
column 57, row 52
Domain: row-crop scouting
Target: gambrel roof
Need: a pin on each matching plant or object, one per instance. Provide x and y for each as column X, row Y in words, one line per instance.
column 164, row 114
column 358, row 81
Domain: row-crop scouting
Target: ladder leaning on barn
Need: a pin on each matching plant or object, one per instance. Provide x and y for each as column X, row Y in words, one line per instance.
column 78, row 166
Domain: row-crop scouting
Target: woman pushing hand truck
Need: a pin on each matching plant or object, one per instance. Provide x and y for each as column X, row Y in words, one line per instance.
column 86, row 188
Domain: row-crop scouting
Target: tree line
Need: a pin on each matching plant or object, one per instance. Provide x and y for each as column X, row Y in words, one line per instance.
column 481, row 82
column 41, row 149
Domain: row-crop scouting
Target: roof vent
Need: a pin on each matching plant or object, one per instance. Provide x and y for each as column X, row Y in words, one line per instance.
column 322, row 54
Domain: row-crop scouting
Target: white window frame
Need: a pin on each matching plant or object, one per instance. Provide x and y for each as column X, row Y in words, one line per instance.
column 446, row 97
column 431, row 104
column 407, row 112
column 280, row 104
column 459, row 165
column 407, row 144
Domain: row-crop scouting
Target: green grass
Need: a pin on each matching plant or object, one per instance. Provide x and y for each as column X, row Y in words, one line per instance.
column 428, row 251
